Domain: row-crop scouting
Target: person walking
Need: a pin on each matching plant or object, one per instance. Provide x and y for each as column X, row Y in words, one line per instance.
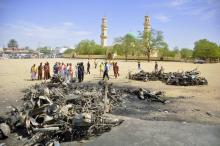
column 88, row 67
column 101, row 68
column 33, row 72
column 106, row 69
column 156, row 67
column 40, row 71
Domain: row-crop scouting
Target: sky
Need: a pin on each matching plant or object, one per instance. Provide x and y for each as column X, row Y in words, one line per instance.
column 58, row 23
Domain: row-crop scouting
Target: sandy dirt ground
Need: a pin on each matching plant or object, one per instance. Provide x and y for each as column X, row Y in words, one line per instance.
column 201, row 104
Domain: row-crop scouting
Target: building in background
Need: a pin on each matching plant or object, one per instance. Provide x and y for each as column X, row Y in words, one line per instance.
column 147, row 29
column 103, row 35
column 13, row 51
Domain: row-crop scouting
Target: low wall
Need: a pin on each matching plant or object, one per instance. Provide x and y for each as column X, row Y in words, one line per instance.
column 123, row 58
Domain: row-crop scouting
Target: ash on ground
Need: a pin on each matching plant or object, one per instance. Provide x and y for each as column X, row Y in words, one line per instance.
column 57, row 111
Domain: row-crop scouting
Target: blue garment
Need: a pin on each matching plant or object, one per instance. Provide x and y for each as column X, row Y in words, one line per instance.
column 55, row 69
column 107, row 67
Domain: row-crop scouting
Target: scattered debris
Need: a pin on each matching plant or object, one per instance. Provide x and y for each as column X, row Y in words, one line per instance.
column 58, row 111
column 209, row 114
column 187, row 78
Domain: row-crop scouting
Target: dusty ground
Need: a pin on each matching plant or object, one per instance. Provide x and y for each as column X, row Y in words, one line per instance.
column 200, row 105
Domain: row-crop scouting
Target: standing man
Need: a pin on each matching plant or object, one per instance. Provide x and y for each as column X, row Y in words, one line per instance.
column 40, row 71
column 88, row 68
column 76, row 72
column 116, row 69
column 139, row 66
column 83, row 71
column 46, row 71
column 80, row 72
column 55, row 68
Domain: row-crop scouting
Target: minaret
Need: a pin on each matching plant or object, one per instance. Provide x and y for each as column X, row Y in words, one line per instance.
column 147, row 27
column 103, row 35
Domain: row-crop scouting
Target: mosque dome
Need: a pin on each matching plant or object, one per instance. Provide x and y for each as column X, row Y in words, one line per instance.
column 132, row 34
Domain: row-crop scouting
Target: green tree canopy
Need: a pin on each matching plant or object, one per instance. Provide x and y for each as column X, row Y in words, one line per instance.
column 152, row 40
column 45, row 50
column 125, row 45
column 205, row 49
column 89, row 47
column 68, row 51
column 186, row 53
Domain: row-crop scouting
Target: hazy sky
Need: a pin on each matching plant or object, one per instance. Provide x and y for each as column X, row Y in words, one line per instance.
column 53, row 23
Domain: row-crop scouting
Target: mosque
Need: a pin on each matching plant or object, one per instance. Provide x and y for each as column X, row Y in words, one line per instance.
column 104, row 29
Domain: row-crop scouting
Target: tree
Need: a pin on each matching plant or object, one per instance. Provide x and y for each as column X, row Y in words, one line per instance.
column 163, row 52
column 89, row 47
column 138, row 48
column 127, row 44
column 68, row 51
column 118, row 49
column 206, row 50
column 152, row 40
column 45, row 50
column 12, row 43
column 186, row 53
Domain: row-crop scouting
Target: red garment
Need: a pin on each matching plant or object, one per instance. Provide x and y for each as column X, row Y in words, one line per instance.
column 116, row 70
column 46, row 71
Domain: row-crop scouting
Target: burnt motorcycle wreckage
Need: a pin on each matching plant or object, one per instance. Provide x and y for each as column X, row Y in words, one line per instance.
column 187, row 78
column 57, row 111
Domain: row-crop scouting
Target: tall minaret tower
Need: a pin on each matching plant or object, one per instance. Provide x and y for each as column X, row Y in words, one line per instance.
column 103, row 35
column 147, row 27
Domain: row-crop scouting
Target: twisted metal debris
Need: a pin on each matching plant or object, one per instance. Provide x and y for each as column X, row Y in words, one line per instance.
column 187, row 78
column 58, row 111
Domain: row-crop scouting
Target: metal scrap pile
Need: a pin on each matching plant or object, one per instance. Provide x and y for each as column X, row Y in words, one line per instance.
column 187, row 78
column 57, row 111
column 144, row 76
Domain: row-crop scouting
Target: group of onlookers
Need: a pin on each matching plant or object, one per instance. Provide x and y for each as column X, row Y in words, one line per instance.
column 63, row 70
column 38, row 72
column 68, row 72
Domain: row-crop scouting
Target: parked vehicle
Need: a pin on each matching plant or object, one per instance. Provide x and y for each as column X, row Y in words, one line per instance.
column 199, row 61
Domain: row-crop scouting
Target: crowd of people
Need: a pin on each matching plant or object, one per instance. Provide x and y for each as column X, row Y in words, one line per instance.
column 68, row 72
column 38, row 72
